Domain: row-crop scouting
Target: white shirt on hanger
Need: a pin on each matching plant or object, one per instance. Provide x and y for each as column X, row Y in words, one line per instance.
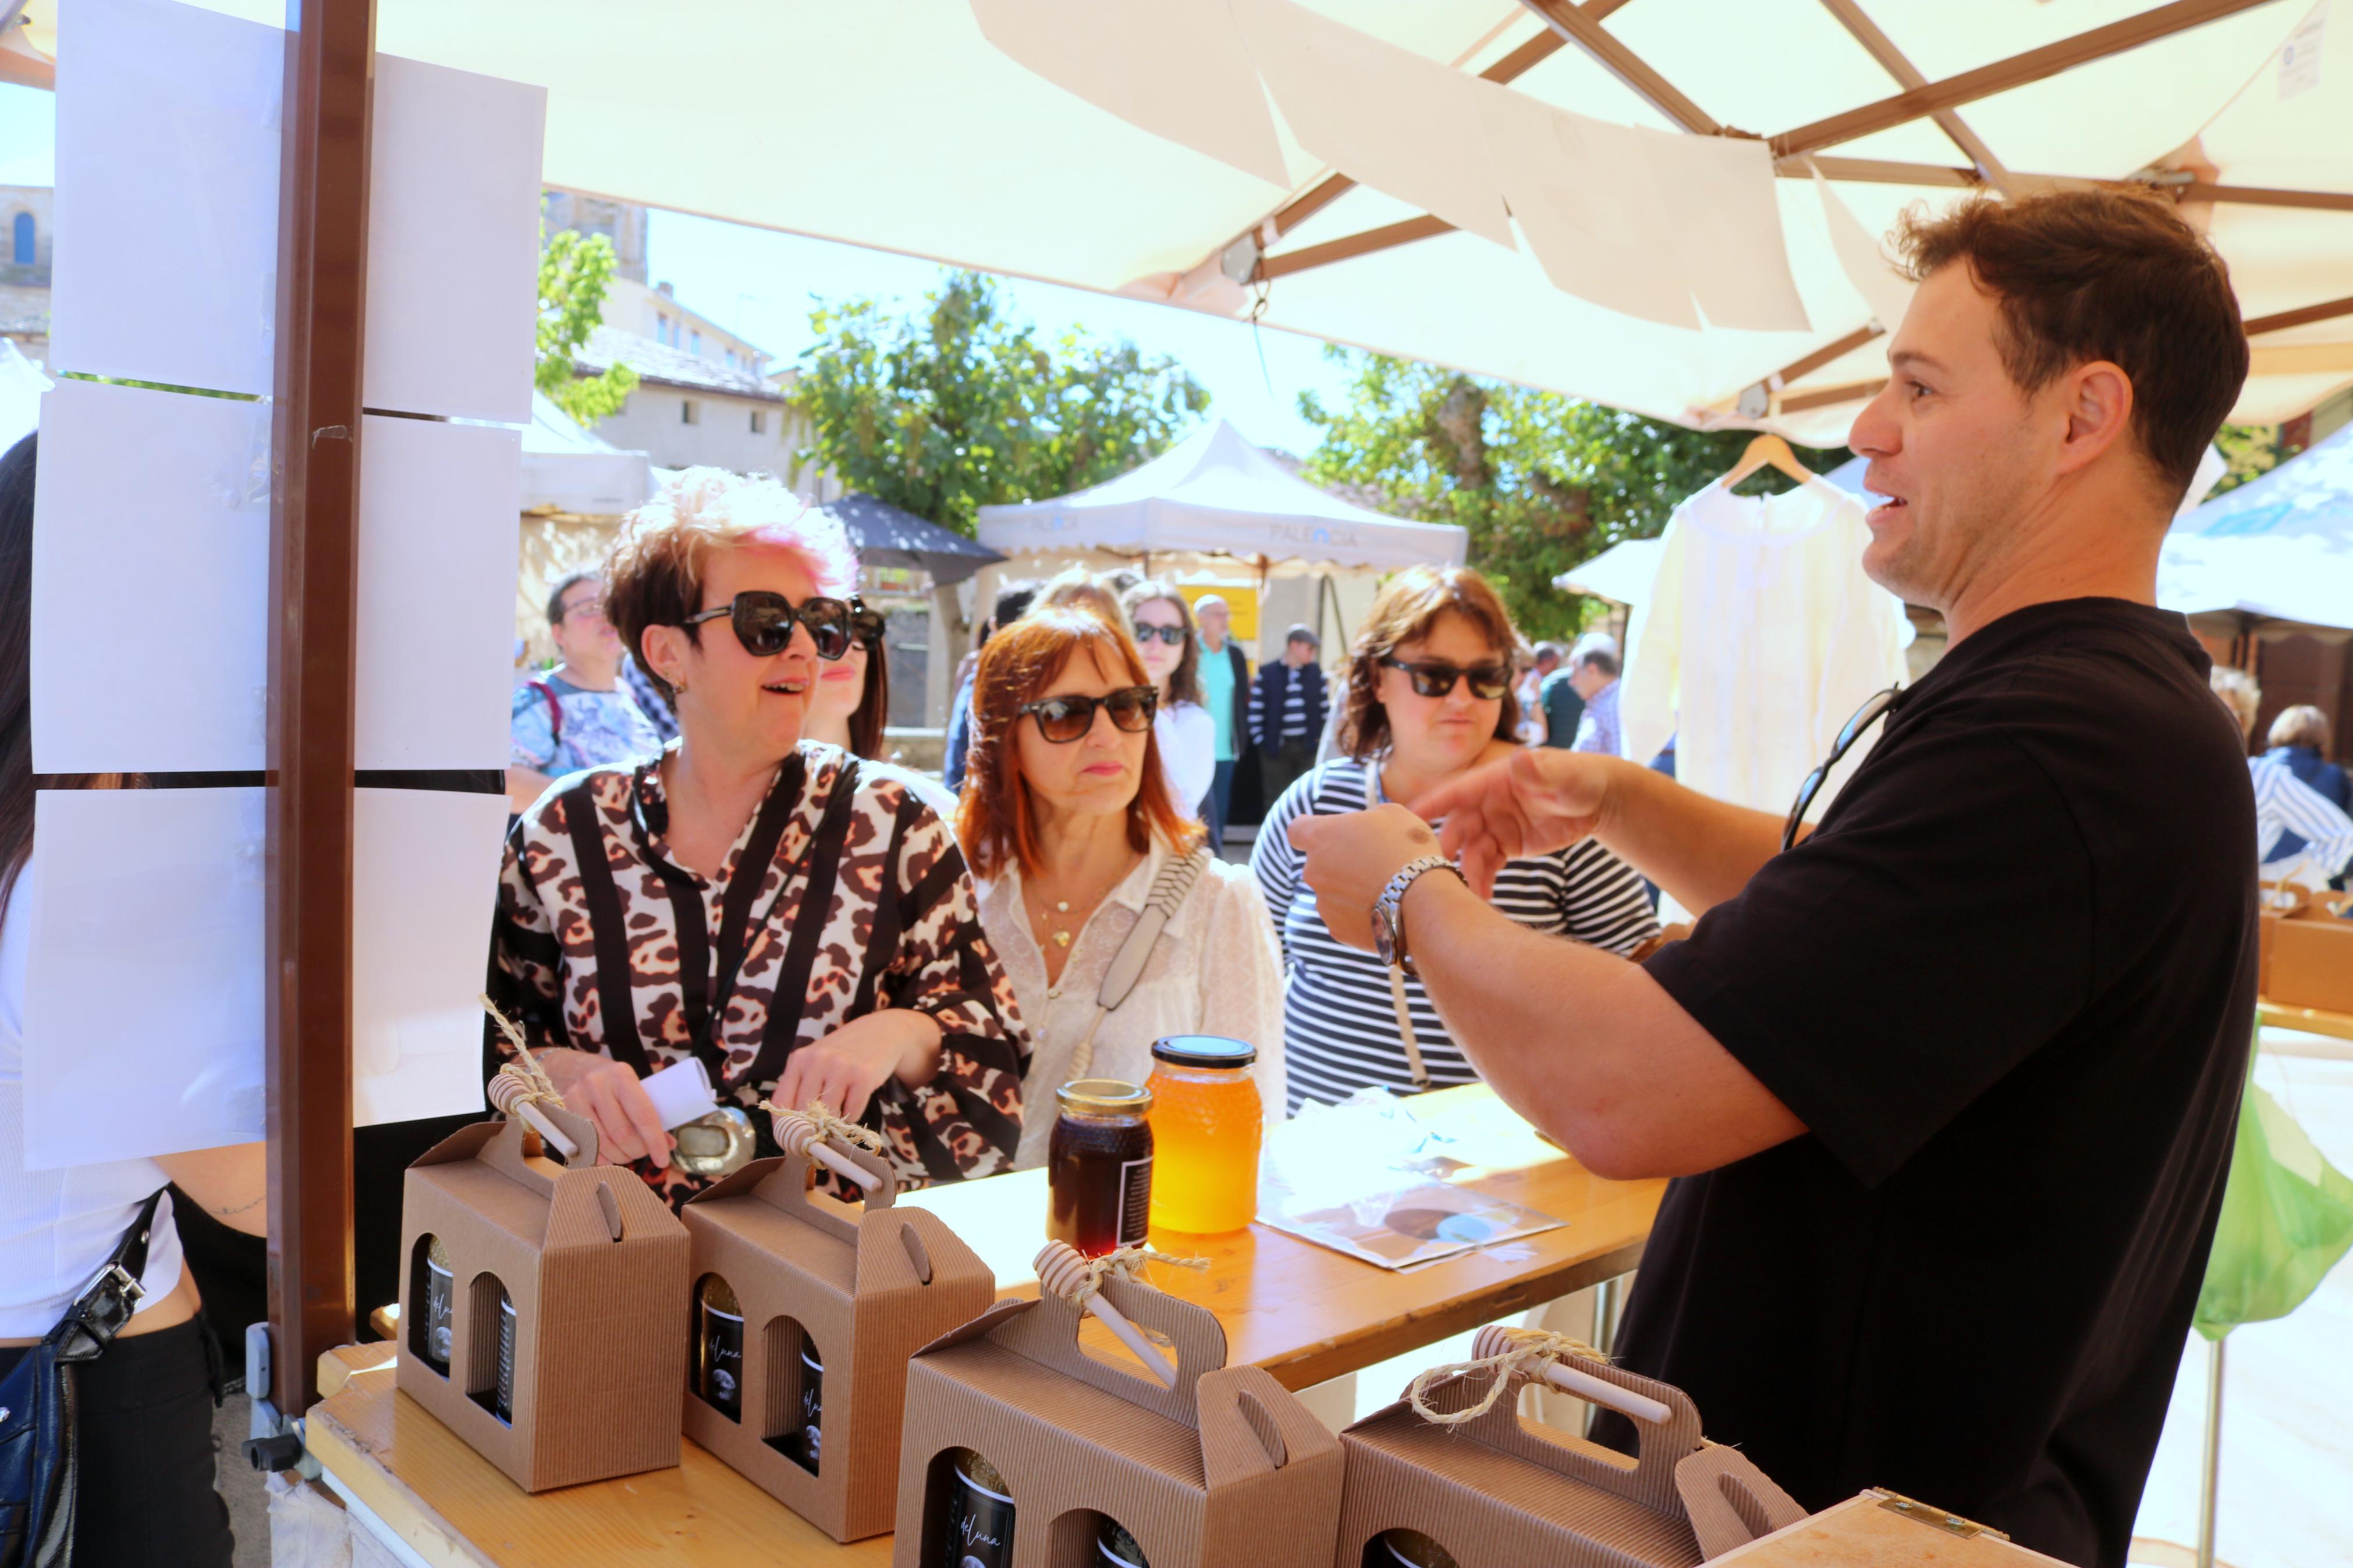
column 1761, row 638
column 1213, row 971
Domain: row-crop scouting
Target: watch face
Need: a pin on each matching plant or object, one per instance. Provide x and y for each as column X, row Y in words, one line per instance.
column 1384, row 935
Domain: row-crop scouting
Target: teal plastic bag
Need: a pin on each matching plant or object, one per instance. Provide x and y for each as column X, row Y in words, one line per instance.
column 2287, row 1218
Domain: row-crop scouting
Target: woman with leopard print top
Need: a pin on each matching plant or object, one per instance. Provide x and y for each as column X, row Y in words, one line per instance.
column 798, row 918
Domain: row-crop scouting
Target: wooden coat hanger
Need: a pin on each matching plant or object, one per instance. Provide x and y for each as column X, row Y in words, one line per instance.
column 1767, row 450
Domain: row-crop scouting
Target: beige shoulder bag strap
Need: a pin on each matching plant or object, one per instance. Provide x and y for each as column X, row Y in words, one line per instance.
column 1160, row 906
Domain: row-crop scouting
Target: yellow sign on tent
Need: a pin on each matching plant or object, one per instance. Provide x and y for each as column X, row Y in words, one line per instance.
column 1241, row 602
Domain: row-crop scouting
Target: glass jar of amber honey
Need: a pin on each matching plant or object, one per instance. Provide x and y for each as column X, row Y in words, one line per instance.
column 1207, row 1122
column 1099, row 1166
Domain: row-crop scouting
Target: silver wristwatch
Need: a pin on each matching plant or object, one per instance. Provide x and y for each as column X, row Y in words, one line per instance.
column 1389, row 910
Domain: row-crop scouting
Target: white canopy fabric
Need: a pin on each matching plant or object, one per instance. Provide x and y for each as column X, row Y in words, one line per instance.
column 1212, row 153
column 1215, row 494
column 573, row 469
column 21, row 386
column 2278, row 549
column 1622, row 573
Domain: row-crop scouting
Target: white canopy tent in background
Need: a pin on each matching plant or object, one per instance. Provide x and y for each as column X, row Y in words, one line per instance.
column 1216, row 509
column 568, row 468
column 2275, row 555
column 1433, row 178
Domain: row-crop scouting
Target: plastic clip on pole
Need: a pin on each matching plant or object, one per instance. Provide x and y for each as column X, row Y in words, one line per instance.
column 1066, row 1272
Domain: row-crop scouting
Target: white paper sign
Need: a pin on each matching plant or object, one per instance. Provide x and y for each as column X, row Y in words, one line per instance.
column 144, row 994
column 166, row 264
column 425, row 879
column 439, row 545
column 453, row 243
column 151, row 577
column 168, row 132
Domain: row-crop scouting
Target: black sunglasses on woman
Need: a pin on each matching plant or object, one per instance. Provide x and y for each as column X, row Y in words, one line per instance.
column 1435, row 677
column 1063, row 720
column 764, row 622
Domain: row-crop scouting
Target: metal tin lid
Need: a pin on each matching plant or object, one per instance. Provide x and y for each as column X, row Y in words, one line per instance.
column 1204, row 1051
column 1104, row 1097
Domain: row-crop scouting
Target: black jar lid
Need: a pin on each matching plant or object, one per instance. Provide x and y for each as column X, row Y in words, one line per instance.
column 1203, row 1051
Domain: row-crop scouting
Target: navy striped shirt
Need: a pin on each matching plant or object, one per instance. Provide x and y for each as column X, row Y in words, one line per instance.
column 1340, row 1029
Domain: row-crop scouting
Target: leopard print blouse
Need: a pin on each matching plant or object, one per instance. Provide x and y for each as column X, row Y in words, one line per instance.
column 895, row 926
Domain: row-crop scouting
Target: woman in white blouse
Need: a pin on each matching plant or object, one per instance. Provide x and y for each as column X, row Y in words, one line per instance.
column 1183, row 731
column 1069, row 827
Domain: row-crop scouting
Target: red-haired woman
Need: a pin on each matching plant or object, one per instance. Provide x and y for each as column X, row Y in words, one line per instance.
column 1068, row 829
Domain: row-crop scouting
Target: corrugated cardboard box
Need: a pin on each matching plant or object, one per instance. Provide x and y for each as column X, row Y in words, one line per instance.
column 862, row 1292
column 1877, row 1527
column 1499, row 1489
column 1225, row 1468
column 593, row 1267
column 2307, row 960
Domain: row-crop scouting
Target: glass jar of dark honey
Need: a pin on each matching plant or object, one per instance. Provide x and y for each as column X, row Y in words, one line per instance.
column 1099, row 1166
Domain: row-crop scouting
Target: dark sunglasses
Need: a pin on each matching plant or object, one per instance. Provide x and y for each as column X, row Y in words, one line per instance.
column 764, row 623
column 1433, row 678
column 866, row 624
column 1173, row 636
column 1875, row 707
column 1063, row 720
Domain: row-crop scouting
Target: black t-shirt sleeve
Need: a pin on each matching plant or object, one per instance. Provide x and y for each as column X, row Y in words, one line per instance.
column 1887, row 971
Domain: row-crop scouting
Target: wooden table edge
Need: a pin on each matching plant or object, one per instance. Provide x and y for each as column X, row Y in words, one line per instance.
column 388, row 1499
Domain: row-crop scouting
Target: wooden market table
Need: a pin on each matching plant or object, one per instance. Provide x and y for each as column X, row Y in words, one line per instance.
column 2310, row 1020
column 1304, row 1312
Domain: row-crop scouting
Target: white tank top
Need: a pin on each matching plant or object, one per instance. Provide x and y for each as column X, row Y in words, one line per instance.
column 57, row 1227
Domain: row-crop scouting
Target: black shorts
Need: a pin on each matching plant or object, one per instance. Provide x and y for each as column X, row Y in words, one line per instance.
column 146, row 1428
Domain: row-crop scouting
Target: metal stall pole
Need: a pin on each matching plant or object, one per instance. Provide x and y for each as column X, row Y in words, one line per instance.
column 2210, row 1479
column 323, row 209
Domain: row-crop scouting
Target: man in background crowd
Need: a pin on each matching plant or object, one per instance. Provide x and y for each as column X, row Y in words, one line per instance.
column 1547, row 657
column 1557, row 697
column 1593, row 671
column 1225, row 682
column 2301, row 835
column 576, row 715
column 1289, row 703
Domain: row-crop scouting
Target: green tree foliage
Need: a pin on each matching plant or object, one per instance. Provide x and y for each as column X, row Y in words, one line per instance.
column 960, row 405
column 2252, row 451
column 574, row 271
column 1541, row 481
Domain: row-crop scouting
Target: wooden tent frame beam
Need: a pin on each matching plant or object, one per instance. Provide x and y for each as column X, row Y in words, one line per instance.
column 1896, row 63
column 2001, row 76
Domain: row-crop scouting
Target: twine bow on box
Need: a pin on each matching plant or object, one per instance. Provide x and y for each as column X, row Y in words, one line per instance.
column 1513, row 1354
column 521, row 1087
column 805, row 1133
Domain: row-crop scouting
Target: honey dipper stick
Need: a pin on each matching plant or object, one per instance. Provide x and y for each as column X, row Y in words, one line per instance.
column 1068, row 1273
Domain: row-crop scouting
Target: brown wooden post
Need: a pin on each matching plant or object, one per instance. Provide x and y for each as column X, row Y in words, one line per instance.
column 313, row 607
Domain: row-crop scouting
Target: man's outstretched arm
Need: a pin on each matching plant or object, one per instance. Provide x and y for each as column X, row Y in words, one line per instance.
column 1583, row 1044
column 1534, row 802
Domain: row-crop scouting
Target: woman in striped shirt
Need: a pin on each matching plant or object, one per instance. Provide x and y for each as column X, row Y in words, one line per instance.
column 1428, row 698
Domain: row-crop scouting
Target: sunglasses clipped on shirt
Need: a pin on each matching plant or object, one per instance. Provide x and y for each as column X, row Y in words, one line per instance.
column 764, row 622
column 1063, row 720
column 1875, row 707
column 1433, row 677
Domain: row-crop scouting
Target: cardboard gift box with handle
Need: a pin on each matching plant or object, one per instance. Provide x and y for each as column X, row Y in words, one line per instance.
column 539, row 1303
column 824, row 1304
column 1485, row 1486
column 1088, row 1463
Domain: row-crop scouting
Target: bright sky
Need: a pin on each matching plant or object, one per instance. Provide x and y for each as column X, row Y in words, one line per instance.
column 759, row 284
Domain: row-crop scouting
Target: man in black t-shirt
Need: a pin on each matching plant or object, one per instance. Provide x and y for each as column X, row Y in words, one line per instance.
column 1948, row 1086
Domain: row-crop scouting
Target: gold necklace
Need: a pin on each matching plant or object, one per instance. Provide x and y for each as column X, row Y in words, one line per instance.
column 1045, row 923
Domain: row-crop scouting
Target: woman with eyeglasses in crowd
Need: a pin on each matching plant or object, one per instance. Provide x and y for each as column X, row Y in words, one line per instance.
column 1185, row 733
column 1073, row 835
column 1429, row 697
column 799, row 919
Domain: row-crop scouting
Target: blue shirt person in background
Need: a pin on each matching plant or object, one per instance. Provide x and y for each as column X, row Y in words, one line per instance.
column 578, row 715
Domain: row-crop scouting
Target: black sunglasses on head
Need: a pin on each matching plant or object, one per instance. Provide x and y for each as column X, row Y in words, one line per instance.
column 1434, row 677
column 1063, row 720
column 764, row 623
